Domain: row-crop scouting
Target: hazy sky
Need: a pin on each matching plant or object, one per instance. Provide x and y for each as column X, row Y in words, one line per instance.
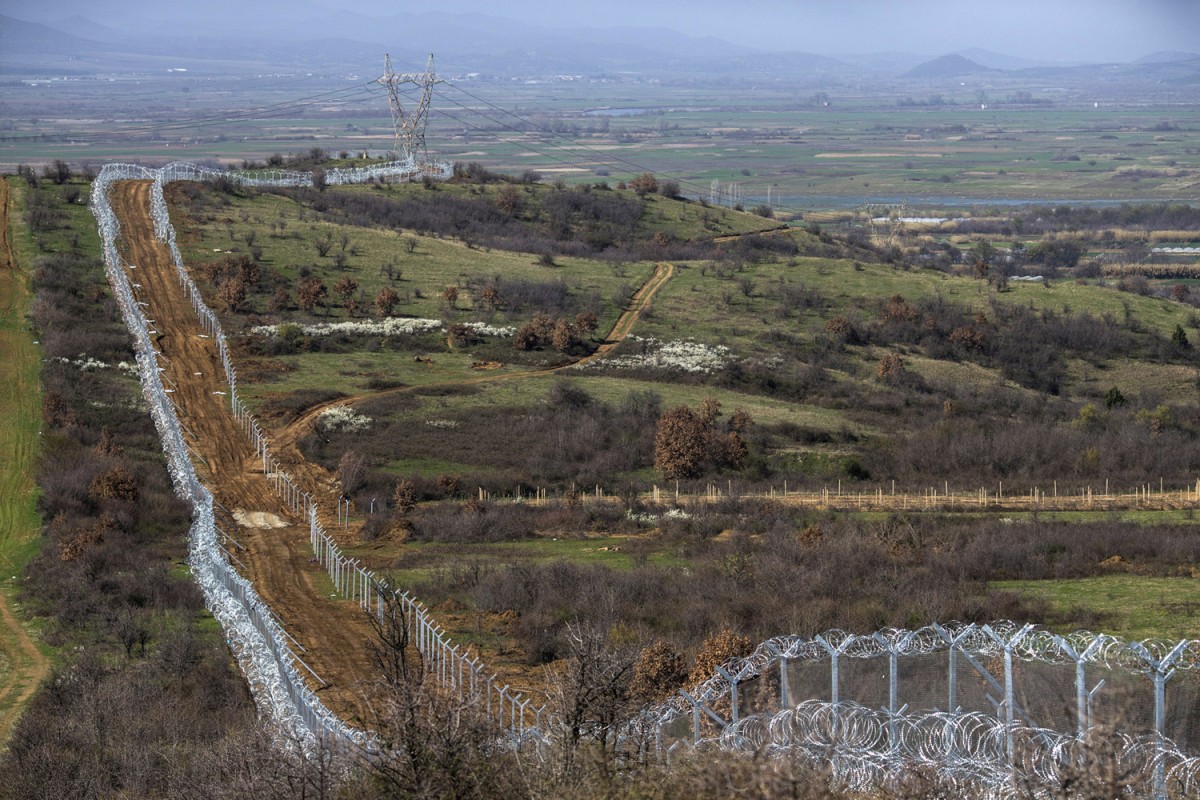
column 1045, row 29
column 1097, row 30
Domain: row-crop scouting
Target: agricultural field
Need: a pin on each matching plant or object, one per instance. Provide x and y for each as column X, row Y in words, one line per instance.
column 866, row 146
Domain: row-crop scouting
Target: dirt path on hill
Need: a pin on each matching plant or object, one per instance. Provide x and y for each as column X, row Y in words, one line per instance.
column 285, row 440
column 733, row 237
column 333, row 633
column 26, row 666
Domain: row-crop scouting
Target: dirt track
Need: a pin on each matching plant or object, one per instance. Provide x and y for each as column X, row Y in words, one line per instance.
column 333, row 633
column 27, row 667
column 285, row 440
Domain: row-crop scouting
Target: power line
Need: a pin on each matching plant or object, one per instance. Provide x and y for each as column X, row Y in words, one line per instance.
column 601, row 156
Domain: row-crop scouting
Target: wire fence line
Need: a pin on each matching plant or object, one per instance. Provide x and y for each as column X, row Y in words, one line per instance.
column 259, row 641
column 975, row 703
column 1079, row 497
column 405, row 169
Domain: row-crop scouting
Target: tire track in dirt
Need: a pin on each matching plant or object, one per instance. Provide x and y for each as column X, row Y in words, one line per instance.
column 286, row 439
column 333, row 633
column 27, row 667
column 733, row 237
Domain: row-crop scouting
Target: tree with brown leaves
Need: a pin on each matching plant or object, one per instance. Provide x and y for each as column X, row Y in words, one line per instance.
column 232, row 292
column 345, row 289
column 310, row 293
column 688, row 442
column 386, row 301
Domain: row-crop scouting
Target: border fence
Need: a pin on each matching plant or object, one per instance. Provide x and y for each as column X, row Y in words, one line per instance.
column 978, row 705
column 257, row 638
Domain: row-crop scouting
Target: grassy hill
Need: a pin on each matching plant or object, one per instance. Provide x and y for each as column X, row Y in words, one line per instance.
column 750, row 318
column 864, row 368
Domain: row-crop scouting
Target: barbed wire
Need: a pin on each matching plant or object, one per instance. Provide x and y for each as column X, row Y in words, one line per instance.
column 256, row 639
column 871, row 748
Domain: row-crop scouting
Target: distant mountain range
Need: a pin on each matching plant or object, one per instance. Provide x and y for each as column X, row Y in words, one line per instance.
column 951, row 66
column 213, row 38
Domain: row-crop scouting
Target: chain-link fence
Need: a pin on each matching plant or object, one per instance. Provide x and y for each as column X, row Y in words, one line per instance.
column 271, row 666
column 976, row 703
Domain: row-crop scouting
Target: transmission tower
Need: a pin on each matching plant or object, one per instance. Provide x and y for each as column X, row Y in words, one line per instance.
column 409, row 127
column 886, row 219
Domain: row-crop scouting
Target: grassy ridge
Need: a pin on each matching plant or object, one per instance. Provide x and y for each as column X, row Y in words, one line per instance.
column 21, row 667
column 20, row 410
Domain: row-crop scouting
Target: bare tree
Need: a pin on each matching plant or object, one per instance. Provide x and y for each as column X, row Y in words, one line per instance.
column 352, row 471
column 507, row 199
column 323, row 244
column 428, row 744
column 592, row 693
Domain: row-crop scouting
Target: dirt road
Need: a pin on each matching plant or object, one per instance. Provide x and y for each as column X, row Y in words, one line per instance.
column 334, row 633
column 25, row 666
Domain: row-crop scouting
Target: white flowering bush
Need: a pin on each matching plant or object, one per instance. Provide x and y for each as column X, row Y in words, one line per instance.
column 87, row 364
column 684, row 355
column 344, row 419
column 392, row 326
column 441, row 423
column 84, row 363
column 650, row 519
column 498, row 331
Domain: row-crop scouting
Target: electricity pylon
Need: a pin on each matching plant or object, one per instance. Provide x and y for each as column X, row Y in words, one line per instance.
column 886, row 217
column 409, row 127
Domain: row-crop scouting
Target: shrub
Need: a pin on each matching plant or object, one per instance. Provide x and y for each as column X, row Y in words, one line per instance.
column 716, row 650
column 114, row 483
column 660, row 669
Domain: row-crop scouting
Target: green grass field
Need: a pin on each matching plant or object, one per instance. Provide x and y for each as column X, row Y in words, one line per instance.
column 20, row 408
column 420, row 561
column 422, row 274
column 20, row 524
column 1130, row 606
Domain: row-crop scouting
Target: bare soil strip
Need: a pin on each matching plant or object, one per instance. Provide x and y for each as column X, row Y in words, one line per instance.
column 26, row 667
column 332, row 633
